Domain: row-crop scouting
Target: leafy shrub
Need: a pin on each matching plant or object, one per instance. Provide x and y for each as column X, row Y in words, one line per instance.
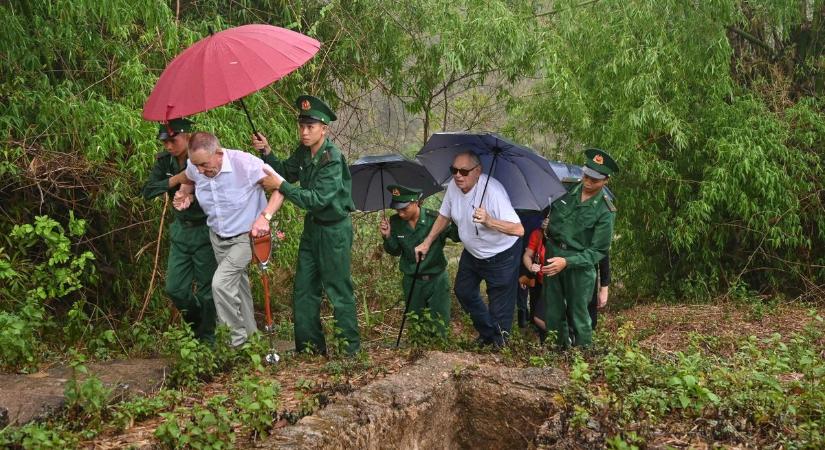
column 86, row 399
column 201, row 427
column 257, row 403
column 193, row 362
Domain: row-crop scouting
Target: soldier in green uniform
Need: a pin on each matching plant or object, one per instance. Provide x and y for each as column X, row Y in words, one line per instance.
column 191, row 261
column 578, row 237
column 324, row 252
column 401, row 234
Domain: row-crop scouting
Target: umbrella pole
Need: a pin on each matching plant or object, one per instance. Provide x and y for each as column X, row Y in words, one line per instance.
column 383, row 203
column 249, row 118
column 489, row 175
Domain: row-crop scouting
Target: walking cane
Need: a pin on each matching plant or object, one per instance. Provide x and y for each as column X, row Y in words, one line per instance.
column 409, row 297
column 261, row 252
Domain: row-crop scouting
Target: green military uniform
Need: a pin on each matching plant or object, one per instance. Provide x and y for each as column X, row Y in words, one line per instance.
column 191, row 262
column 581, row 233
column 324, row 253
column 432, row 287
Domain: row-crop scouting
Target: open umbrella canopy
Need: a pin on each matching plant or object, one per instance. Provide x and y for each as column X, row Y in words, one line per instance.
column 226, row 66
column 527, row 177
column 372, row 174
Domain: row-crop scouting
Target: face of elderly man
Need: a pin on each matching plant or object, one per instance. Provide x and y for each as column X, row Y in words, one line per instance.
column 464, row 164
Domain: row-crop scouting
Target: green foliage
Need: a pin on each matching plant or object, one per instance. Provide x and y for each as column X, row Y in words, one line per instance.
column 86, row 398
column 36, row 436
column 426, row 331
column 193, row 361
column 257, row 404
column 126, row 413
column 769, row 390
column 199, row 427
column 18, row 336
column 719, row 145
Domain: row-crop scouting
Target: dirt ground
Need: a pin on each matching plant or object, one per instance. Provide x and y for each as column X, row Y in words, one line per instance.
column 658, row 327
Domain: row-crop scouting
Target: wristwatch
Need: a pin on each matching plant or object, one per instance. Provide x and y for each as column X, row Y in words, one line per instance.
column 267, row 216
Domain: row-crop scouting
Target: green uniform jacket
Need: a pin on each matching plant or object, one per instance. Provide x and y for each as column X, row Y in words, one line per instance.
column 581, row 232
column 403, row 240
column 326, row 184
column 165, row 167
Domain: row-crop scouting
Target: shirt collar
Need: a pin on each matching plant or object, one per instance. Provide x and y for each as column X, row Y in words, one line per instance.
column 226, row 164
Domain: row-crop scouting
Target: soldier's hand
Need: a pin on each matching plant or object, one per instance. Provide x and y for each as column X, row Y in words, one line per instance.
column 554, row 266
column 260, row 143
column 602, row 297
column 384, row 228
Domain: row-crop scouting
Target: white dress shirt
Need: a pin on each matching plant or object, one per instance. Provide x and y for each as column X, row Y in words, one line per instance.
column 458, row 207
column 232, row 199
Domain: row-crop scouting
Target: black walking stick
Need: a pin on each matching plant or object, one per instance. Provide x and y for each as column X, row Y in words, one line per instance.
column 409, row 297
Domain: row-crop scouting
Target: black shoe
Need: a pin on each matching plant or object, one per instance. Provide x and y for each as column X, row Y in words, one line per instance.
column 480, row 342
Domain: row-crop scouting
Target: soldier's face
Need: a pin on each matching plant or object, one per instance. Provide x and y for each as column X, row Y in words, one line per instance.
column 177, row 144
column 207, row 164
column 592, row 185
column 408, row 212
column 312, row 134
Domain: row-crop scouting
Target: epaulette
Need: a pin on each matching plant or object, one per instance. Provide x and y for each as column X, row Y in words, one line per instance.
column 609, row 203
column 327, row 157
column 162, row 154
column 431, row 213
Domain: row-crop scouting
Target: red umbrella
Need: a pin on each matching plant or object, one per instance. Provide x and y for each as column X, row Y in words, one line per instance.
column 226, row 66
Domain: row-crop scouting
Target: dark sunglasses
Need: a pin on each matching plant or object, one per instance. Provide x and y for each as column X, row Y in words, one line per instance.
column 463, row 172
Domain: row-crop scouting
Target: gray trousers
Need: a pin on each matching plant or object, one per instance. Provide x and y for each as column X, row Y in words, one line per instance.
column 230, row 286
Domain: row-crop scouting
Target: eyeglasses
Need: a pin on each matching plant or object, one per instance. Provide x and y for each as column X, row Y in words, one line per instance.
column 463, row 172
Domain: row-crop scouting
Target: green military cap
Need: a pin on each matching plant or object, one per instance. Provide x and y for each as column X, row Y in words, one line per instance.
column 402, row 195
column 168, row 130
column 599, row 164
column 313, row 109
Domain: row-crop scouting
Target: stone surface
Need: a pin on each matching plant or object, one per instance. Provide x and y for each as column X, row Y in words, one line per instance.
column 33, row 396
column 443, row 401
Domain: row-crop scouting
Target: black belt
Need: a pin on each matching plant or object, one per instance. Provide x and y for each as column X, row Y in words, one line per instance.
column 318, row 221
column 192, row 223
column 425, row 277
column 558, row 244
column 230, row 237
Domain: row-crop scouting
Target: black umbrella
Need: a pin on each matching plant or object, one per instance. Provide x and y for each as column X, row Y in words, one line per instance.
column 527, row 177
column 372, row 174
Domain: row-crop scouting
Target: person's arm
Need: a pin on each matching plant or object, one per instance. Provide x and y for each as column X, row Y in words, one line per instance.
column 441, row 223
column 288, row 168
column 160, row 181
column 481, row 216
column 261, row 226
column 391, row 244
column 604, row 271
column 599, row 245
column 527, row 259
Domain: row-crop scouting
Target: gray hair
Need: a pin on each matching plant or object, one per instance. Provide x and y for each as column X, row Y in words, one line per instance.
column 201, row 140
column 473, row 157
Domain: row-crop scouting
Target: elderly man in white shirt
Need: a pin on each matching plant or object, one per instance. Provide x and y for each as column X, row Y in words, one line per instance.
column 229, row 189
column 490, row 231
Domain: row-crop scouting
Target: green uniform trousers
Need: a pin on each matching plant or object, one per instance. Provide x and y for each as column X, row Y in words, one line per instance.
column 569, row 292
column 433, row 293
column 189, row 277
column 324, row 263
